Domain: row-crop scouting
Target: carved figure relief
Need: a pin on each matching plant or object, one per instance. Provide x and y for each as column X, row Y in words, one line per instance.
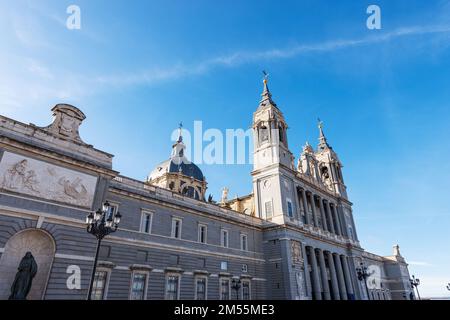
column 41, row 179
column 296, row 252
column 18, row 177
column 300, row 281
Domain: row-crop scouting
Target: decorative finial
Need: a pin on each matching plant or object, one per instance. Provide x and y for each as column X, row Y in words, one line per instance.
column 320, row 123
column 323, row 144
column 180, row 128
column 266, row 76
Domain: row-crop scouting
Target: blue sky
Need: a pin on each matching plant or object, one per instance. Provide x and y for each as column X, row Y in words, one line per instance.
column 138, row 69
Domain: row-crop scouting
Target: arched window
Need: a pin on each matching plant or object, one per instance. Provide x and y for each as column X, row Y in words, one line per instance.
column 281, row 133
column 263, row 134
column 190, row 192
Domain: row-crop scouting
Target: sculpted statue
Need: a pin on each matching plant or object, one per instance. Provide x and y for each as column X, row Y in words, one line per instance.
column 224, row 195
column 24, row 277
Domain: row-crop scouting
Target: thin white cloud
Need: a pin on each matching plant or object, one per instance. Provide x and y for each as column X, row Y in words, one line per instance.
column 238, row 58
column 40, row 85
column 39, row 69
column 420, row 263
column 434, row 286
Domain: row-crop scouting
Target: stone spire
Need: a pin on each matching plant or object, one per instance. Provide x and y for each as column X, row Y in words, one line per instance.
column 178, row 147
column 266, row 96
column 180, row 128
column 323, row 144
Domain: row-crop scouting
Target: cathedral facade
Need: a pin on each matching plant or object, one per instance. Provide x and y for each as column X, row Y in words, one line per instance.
column 293, row 238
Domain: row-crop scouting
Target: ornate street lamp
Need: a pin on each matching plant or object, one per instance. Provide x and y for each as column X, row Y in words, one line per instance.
column 100, row 224
column 362, row 273
column 414, row 284
column 236, row 285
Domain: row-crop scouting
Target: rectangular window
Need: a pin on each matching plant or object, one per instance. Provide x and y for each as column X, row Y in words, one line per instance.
column 202, row 233
column 224, row 289
column 113, row 208
column 246, row 290
column 200, row 288
column 146, row 221
column 244, row 242
column 172, row 287
column 174, row 260
column 99, row 286
column 268, row 209
column 244, row 268
column 350, row 232
column 138, row 286
column 224, row 266
column 176, row 228
column 224, row 238
column 289, row 209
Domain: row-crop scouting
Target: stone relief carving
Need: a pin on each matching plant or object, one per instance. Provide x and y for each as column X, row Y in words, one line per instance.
column 18, row 177
column 38, row 178
column 296, row 252
column 300, row 285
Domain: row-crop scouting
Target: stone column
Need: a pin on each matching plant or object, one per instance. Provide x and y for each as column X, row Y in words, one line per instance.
column 322, row 213
column 305, row 206
column 309, row 292
column 313, row 206
column 338, row 221
column 334, row 281
column 315, row 274
column 323, row 272
column 298, row 213
column 340, row 276
column 330, row 217
column 348, row 278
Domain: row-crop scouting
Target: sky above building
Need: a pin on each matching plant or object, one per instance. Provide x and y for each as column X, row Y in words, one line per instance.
column 136, row 69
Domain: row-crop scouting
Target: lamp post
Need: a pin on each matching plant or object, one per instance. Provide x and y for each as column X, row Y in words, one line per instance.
column 362, row 273
column 236, row 285
column 100, row 224
column 414, row 284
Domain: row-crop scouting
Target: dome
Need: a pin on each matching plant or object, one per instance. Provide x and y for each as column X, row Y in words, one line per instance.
column 179, row 174
column 172, row 166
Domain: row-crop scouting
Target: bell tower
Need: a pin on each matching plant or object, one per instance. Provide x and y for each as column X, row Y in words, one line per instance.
column 272, row 160
column 329, row 165
column 269, row 134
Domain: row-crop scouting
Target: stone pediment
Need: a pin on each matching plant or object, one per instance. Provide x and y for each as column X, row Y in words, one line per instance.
column 61, row 136
column 66, row 122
